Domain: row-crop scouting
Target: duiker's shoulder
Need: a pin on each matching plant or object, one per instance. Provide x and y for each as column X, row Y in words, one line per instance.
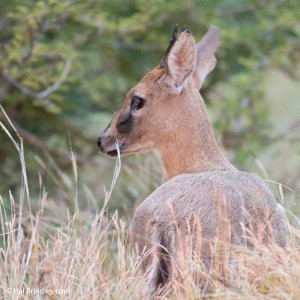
column 199, row 186
column 203, row 180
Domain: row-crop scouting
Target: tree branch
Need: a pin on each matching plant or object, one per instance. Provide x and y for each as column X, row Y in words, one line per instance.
column 35, row 141
column 28, row 54
column 41, row 95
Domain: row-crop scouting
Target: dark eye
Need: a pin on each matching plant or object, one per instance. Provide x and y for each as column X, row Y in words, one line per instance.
column 137, row 102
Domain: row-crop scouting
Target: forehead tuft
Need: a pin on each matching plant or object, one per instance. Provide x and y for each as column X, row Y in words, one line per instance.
column 152, row 76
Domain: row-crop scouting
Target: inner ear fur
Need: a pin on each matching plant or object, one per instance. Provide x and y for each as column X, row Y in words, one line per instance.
column 181, row 61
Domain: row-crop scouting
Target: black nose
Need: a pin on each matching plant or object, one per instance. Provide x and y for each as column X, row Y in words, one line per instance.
column 99, row 143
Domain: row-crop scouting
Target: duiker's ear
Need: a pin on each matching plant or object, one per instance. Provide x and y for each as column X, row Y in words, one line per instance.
column 181, row 61
column 206, row 60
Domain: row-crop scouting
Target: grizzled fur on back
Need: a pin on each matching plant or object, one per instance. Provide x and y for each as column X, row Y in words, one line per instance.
column 206, row 199
column 239, row 200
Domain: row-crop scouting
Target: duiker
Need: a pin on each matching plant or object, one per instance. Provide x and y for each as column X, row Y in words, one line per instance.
column 205, row 198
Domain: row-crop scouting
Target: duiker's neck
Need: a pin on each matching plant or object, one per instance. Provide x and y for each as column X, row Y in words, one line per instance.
column 192, row 147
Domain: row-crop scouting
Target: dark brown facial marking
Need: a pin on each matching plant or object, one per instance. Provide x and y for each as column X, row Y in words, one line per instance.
column 124, row 122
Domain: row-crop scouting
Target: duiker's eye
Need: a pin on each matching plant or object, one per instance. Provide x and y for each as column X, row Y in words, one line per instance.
column 137, row 102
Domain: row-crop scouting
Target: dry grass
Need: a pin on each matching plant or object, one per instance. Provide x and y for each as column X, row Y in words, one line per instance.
column 89, row 258
column 92, row 260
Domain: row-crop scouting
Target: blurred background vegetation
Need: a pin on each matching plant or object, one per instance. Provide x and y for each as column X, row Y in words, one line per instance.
column 66, row 65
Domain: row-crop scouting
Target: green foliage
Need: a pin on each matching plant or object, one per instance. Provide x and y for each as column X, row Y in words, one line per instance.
column 104, row 47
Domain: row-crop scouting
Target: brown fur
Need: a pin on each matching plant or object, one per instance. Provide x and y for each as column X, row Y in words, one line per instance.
column 205, row 196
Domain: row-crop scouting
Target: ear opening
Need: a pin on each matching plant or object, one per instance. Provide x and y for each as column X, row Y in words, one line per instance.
column 206, row 59
column 181, row 61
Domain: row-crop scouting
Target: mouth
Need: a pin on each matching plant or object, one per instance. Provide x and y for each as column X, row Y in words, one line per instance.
column 114, row 153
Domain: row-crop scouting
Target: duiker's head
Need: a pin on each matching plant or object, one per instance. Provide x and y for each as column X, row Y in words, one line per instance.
column 161, row 101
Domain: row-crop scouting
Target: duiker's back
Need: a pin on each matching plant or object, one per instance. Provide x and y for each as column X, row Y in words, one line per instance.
column 195, row 209
column 242, row 199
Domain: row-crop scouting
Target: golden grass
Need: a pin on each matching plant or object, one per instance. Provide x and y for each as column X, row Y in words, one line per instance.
column 92, row 260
